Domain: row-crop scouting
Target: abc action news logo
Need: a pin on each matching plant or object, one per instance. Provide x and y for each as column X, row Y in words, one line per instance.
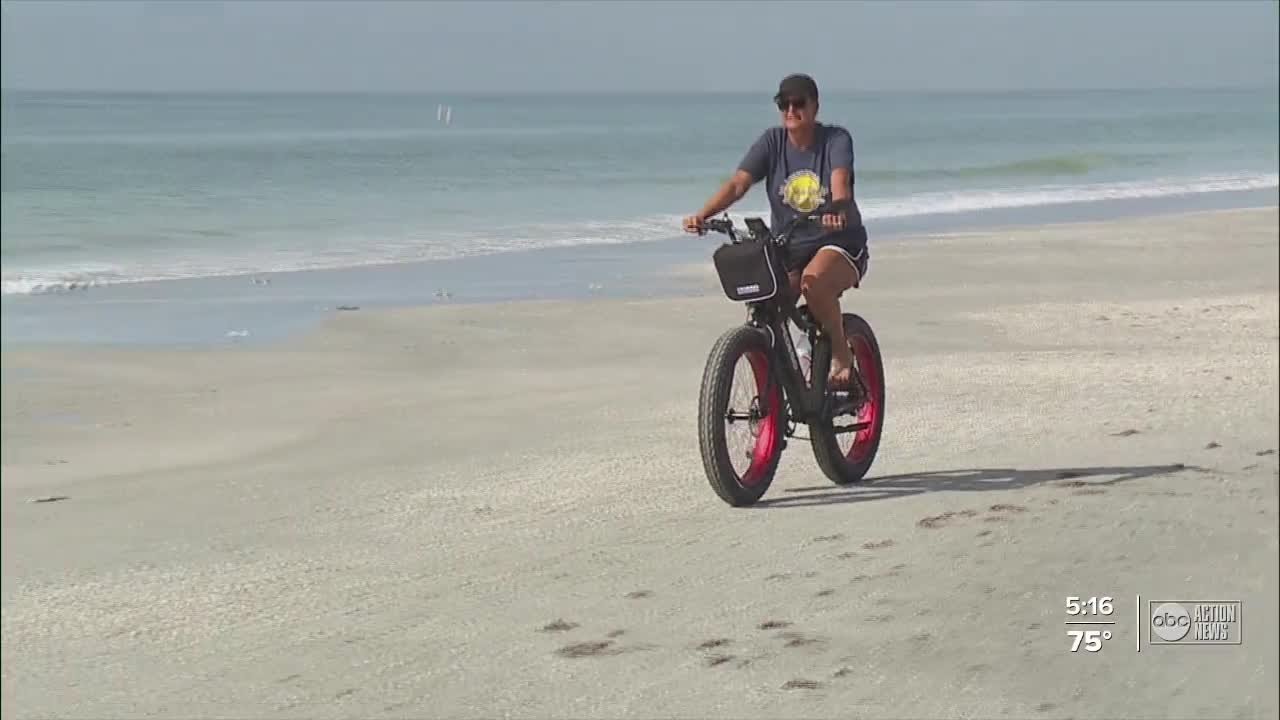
column 1199, row 622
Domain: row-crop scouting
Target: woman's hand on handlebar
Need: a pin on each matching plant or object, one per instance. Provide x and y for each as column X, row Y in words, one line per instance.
column 695, row 224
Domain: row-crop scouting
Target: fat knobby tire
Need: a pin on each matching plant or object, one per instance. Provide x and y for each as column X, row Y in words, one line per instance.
column 717, row 381
column 838, row 468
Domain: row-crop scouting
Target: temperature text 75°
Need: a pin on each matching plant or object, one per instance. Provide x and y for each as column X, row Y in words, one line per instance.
column 1091, row 640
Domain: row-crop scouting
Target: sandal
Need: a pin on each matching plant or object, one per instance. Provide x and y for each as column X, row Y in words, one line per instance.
column 849, row 381
column 841, row 381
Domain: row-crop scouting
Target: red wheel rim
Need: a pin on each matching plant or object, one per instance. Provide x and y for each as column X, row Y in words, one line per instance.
column 767, row 439
column 865, row 438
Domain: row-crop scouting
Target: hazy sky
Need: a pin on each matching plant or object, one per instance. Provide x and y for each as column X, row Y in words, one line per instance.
column 642, row 46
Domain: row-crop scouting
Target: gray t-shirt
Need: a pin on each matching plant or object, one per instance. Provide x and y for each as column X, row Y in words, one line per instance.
column 799, row 181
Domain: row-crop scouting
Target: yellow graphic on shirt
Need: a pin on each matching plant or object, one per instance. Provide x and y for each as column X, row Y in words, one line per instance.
column 803, row 191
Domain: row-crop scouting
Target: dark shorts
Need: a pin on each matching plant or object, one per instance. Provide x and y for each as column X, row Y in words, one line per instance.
column 851, row 242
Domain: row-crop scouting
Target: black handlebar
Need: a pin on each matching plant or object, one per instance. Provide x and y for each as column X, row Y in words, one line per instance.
column 725, row 225
column 721, row 226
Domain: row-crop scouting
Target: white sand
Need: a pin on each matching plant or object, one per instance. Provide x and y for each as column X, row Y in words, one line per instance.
column 378, row 520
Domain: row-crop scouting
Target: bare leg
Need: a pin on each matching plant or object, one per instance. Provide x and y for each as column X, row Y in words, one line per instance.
column 826, row 276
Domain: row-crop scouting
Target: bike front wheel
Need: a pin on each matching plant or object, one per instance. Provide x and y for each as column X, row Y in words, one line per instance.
column 741, row 417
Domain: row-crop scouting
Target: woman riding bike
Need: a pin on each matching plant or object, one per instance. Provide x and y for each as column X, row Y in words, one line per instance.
column 806, row 164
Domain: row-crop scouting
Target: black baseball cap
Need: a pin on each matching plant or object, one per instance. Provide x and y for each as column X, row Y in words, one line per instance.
column 798, row 85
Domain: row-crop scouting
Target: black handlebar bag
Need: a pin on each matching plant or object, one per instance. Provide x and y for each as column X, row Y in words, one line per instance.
column 750, row 271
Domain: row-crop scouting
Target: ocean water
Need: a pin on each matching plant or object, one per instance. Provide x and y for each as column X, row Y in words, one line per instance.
column 102, row 189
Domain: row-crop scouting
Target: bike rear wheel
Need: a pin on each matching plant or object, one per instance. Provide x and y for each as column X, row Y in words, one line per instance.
column 846, row 456
column 740, row 358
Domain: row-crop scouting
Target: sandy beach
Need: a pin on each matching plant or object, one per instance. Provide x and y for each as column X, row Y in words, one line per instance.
column 500, row 510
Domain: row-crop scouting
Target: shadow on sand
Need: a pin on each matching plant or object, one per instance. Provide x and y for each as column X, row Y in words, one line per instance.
column 979, row 479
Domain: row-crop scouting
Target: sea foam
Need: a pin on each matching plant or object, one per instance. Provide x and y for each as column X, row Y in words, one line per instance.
column 417, row 247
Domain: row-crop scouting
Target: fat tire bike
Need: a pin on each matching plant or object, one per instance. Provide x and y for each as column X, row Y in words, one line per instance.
column 844, row 426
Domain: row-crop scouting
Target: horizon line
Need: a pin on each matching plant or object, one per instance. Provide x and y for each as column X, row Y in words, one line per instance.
column 622, row 93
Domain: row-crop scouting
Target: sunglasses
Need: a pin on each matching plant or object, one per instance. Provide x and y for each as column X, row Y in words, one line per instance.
column 785, row 104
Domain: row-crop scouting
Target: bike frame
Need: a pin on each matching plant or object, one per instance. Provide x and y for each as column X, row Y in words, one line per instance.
column 806, row 402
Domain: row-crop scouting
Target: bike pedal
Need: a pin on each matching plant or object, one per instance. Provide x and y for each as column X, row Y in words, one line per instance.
column 842, row 403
